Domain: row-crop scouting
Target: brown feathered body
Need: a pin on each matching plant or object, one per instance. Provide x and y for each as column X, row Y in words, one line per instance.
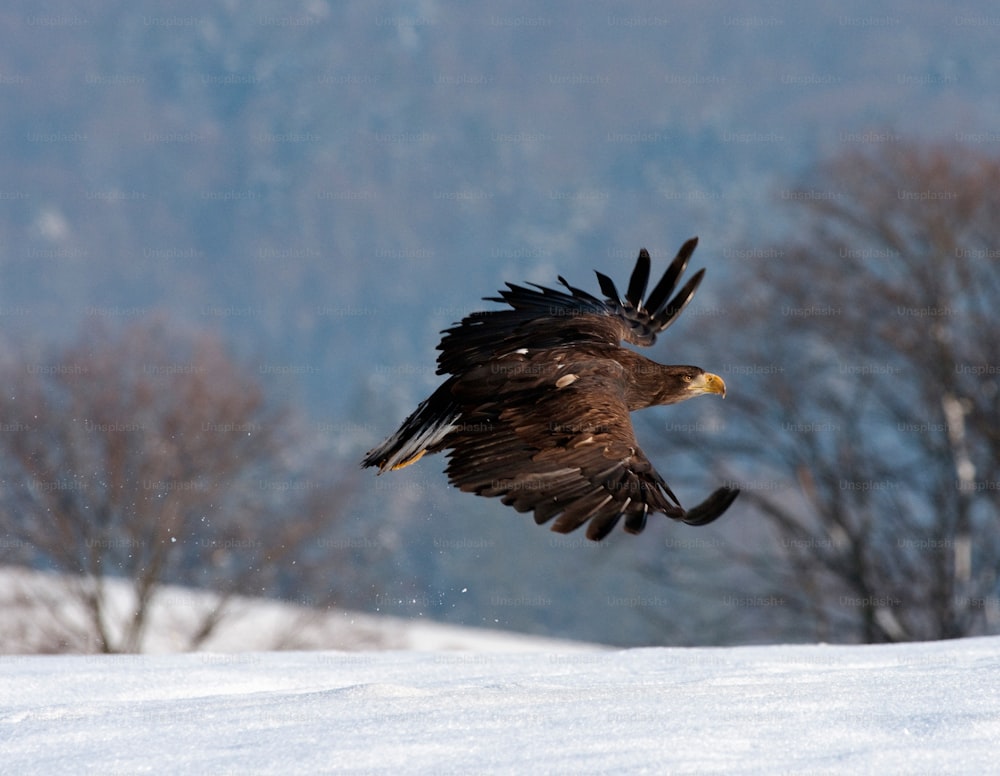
column 535, row 408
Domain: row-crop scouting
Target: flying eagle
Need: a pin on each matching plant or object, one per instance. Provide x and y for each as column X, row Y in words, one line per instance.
column 536, row 405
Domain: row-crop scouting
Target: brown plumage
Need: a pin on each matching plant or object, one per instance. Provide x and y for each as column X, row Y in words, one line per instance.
column 536, row 407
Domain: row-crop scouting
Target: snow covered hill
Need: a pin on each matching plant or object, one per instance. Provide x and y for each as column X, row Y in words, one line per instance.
column 913, row 708
column 40, row 613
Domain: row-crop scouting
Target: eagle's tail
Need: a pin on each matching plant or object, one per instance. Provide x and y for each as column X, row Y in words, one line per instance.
column 422, row 432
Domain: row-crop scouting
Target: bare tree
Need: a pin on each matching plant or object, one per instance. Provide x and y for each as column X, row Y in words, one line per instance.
column 150, row 455
column 866, row 401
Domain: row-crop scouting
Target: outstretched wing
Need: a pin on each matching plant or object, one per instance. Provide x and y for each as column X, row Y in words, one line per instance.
column 541, row 317
column 554, row 437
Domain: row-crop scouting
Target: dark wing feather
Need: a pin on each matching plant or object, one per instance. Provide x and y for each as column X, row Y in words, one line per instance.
column 608, row 288
column 669, row 280
column 540, row 317
column 637, row 283
column 568, row 453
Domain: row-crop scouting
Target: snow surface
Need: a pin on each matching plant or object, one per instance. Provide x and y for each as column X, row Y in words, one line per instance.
column 912, row 708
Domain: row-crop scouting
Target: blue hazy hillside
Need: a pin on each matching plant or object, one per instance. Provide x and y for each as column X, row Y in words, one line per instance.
column 330, row 184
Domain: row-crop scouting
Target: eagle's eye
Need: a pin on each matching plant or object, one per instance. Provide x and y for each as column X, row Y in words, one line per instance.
column 686, row 378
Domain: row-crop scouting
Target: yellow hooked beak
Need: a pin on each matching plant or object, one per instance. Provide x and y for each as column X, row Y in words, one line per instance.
column 708, row 383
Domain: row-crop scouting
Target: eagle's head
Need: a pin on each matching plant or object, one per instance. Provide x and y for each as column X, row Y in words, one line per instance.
column 685, row 382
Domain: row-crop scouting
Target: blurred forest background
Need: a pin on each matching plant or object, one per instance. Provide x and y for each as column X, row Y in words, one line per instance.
column 230, row 233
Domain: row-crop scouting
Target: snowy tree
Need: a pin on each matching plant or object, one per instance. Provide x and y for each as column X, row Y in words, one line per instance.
column 865, row 396
column 148, row 453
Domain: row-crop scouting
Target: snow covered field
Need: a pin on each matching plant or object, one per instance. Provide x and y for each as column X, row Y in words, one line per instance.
column 914, row 708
